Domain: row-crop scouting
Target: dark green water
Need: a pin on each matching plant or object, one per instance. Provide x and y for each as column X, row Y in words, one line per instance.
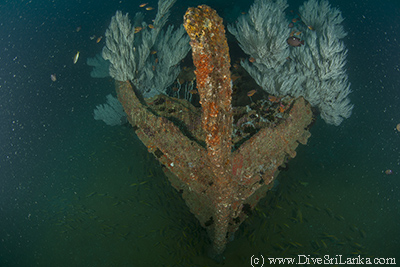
column 75, row 192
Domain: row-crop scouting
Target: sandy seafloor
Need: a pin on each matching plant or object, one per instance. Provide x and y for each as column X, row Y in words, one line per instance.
column 76, row 192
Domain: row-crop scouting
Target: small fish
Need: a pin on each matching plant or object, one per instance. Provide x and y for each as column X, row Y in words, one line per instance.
column 273, row 99
column 357, row 245
column 144, row 202
column 252, row 59
column 234, row 77
column 294, row 41
column 143, row 5
column 151, row 26
column 299, row 244
column 315, row 245
column 251, row 93
column 294, row 20
column 311, row 27
column 300, row 216
column 291, row 25
column 91, row 194
column 149, row 8
column 317, row 208
column 99, row 39
column 328, row 236
column 308, row 205
column 78, row 28
column 53, row 77
column 92, row 37
column 354, row 228
column 292, row 33
column 278, row 247
column 363, row 233
column 76, row 57
column 329, row 212
column 339, row 217
column 138, row 29
column 193, row 92
column 303, row 183
column 297, row 33
column 153, row 52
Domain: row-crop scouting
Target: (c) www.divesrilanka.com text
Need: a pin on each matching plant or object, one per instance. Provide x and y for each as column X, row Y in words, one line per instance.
column 327, row 259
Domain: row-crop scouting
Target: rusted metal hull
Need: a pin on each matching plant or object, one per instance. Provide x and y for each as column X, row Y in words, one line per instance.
column 220, row 185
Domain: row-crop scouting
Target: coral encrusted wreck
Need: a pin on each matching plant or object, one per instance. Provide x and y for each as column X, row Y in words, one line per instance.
column 221, row 169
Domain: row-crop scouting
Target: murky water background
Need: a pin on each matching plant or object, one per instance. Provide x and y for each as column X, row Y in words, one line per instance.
column 75, row 192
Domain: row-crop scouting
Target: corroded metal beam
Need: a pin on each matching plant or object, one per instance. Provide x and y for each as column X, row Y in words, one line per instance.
column 211, row 58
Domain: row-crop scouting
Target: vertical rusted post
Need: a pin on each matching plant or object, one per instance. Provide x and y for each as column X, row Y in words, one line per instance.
column 211, row 58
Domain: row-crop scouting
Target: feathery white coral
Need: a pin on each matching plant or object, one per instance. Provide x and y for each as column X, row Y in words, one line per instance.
column 316, row 70
column 118, row 49
column 129, row 51
column 112, row 112
column 171, row 46
column 100, row 66
column 264, row 36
